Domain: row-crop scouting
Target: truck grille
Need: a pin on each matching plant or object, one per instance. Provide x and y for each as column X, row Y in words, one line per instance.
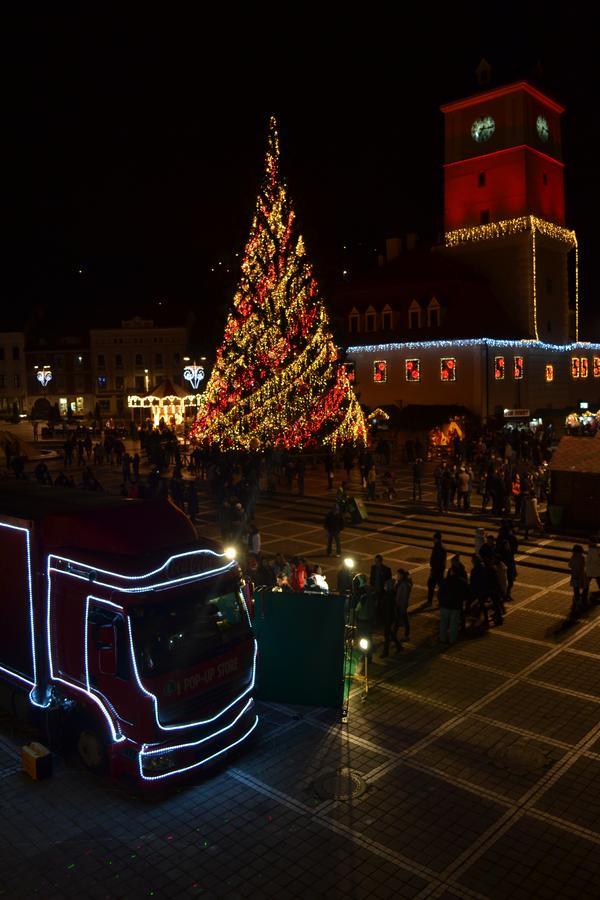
column 201, row 706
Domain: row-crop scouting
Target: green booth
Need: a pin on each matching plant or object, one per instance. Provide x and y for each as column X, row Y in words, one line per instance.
column 301, row 647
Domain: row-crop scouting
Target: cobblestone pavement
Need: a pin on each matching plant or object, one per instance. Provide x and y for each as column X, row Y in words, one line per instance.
column 479, row 764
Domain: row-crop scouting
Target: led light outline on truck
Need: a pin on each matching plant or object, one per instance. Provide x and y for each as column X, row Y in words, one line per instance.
column 86, row 572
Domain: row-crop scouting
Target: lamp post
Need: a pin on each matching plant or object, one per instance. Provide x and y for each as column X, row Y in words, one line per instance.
column 345, row 578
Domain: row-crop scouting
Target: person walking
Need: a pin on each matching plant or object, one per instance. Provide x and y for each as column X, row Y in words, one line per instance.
column 417, row 476
column 593, row 562
column 403, row 590
column 454, row 593
column 579, row 581
column 463, row 489
column 329, row 463
column 380, row 575
column 437, row 565
column 371, row 483
column 334, row 524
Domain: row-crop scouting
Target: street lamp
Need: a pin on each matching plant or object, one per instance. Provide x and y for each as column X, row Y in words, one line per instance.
column 146, row 381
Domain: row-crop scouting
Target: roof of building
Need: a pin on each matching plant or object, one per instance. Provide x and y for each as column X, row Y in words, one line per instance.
column 577, row 454
column 468, row 306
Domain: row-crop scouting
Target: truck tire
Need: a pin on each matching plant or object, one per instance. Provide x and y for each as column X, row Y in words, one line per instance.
column 92, row 749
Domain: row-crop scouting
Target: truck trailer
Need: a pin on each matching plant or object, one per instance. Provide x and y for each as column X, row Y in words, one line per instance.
column 125, row 629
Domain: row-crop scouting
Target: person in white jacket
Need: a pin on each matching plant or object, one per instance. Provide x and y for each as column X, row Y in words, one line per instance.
column 593, row 561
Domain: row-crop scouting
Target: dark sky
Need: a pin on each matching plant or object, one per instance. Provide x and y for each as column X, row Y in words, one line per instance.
column 135, row 144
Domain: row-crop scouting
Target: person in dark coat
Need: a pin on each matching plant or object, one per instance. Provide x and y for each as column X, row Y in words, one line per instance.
column 437, row 563
column 334, row 524
column 380, row 575
column 454, row 594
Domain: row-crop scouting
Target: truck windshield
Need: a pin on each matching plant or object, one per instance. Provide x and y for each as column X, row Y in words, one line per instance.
column 181, row 633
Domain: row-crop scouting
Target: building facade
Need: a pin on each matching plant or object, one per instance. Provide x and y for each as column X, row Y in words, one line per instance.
column 133, row 358
column 59, row 378
column 491, row 322
column 13, row 373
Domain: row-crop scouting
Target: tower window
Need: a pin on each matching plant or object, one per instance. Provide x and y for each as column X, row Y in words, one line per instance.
column 481, row 179
column 386, row 318
column 353, row 323
column 370, row 322
column 433, row 314
column 484, row 217
column 414, row 315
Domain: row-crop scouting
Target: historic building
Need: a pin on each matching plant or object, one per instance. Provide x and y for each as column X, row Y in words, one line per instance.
column 133, row 358
column 489, row 320
column 13, row 373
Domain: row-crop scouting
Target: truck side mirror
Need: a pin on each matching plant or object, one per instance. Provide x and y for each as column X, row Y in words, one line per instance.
column 107, row 649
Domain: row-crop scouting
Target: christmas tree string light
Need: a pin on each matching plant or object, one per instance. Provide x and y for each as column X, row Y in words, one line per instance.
column 277, row 378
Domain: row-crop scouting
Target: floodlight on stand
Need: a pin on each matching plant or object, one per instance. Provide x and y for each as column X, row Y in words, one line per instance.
column 364, row 644
column 230, row 552
column 349, row 562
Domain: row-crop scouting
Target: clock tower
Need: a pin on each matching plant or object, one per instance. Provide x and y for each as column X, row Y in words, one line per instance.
column 504, row 205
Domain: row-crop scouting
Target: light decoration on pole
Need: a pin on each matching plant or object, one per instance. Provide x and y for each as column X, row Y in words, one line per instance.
column 448, row 368
column 510, row 227
column 277, row 378
column 499, row 368
column 194, row 374
column 44, row 376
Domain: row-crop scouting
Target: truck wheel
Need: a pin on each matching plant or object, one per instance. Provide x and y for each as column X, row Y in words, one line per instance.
column 92, row 750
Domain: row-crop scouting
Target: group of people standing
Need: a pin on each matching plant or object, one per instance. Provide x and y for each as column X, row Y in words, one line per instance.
column 483, row 591
column 584, row 567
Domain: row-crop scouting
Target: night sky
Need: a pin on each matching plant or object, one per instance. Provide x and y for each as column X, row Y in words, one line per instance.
column 135, row 145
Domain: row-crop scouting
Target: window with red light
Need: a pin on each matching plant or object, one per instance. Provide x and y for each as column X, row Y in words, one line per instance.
column 350, row 371
column 583, row 367
column 549, row 372
column 412, row 368
column 448, row 368
column 499, row 366
column 575, row 368
column 518, row 367
column 380, row 371
column 596, row 366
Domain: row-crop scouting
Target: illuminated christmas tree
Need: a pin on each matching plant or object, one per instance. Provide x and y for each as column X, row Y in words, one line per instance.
column 277, row 379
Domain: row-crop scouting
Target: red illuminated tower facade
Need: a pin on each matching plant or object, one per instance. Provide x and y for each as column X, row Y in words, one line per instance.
column 504, row 205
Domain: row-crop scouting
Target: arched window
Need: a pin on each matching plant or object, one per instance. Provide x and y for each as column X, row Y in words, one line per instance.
column 433, row 313
column 354, row 321
column 370, row 319
column 386, row 318
column 414, row 315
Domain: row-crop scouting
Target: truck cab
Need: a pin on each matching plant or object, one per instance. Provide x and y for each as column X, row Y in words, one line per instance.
column 138, row 631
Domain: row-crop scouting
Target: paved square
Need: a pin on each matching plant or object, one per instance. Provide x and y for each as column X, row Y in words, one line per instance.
column 479, row 764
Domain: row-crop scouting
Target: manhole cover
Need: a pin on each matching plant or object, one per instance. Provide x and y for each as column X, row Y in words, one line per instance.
column 519, row 758
column 342, row 784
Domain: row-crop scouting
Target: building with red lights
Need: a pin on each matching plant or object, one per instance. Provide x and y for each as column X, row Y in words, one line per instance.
column 489, row 320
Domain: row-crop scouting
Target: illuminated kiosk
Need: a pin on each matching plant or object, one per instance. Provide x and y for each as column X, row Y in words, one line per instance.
column 167, row 402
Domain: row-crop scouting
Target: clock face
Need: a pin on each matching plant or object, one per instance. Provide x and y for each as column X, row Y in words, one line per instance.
column 483, row 129
column 542, row 129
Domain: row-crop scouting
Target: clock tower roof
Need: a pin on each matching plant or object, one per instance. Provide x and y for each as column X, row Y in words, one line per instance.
column 497, row 93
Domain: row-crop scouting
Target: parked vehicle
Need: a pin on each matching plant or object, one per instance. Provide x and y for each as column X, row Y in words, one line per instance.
column 124, row 630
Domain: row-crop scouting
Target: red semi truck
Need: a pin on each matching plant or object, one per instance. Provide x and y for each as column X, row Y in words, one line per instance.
column 116, row 620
